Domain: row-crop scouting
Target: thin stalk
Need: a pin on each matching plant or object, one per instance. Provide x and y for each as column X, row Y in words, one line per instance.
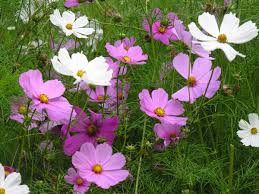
column 231, row 166
column 140, row 158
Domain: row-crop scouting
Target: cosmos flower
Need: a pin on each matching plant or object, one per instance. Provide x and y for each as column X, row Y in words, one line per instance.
column 94, row 129
column 98, row 165
column 158, row 106
column 96, row 37
column 8, row 170
column 220, row 38
column 71, row 3
column 69, row 45
column 46, row 95
column 23, row 112
column 199, row 78
column 162, row 27
column 80, row 185
column 10, row 184
column 250, row 131
column 93, row 72
column 134, row 55
column 127, row 42
column 69, row 24
column 187, row 39
column 171, row 134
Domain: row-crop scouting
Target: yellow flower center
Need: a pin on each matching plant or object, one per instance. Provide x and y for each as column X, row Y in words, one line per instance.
column 161, row 29
column 44, row 98
column 173, row 135
column 22, row 110
column 101, row 140
column 7, row 172
column 91, row 130
column 80, row 73
column 79, row 181
column 126, row 48
column 159, row 112
column 126, row 58
column 2, row 191
column 254, row 131
column 222, row 38
column 101, row 98
column 191, row 81
column 69, row 26
column 97, row 168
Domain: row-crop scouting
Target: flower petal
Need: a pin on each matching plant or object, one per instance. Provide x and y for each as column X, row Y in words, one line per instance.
column 181, row 64
column 198, row 34
column 209, row 24
column 115, row 162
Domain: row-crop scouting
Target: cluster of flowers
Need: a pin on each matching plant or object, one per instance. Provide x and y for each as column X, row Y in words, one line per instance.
column 88, row 137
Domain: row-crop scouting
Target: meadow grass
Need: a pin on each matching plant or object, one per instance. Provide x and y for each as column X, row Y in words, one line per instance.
column 210, row 160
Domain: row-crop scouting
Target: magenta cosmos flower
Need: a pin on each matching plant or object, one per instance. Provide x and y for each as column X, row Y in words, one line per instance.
column 71, row 3
column 158, row 106
column 46, row 95
column 80, row 185
column 8, row 170
column 23, row 112
column 98, row 165
column 187, row 39
column 171, row 134
column 161, row 27
column 94, row 129
column 133, row 55
column 201, row 79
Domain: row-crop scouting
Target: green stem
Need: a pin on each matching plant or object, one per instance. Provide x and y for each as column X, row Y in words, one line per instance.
column 140, row 158
column 231, row 166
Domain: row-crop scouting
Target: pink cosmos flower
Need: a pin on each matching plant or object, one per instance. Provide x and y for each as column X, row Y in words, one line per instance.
column 134, row 55
column 49, row 125
column 201, row 79
column 80, row 185
column 23, row 112
column 187, row 39
column 127, row 42
column 227, row 2
column 70, row 44
column 171, row 134
column 115, row 66
column 71, row 3
column 94, row 129
column 158, row 106
column 162, row 28
column 46, row 95
column 98, row 165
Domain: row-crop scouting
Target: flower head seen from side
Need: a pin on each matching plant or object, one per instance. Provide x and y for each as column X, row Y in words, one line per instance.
column 187, row 39
column 80, row 185
column 11, row 184
column 201, row 79
column 94, row 72
column 171, row 134
column 92, row 129
column 98, row 165
column 23, row 112
column 46, row 96
column 133, row 56
column 96, row 37
column 220, row 38
column 69, row 24
column 250, row 130
column 158, row 106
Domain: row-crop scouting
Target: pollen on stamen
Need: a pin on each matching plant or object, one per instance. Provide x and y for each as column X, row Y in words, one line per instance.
column 80, row 73
column 79, row 181
column 173, row 135
column 91, row 130
column 2, row 191
column 126, row 58
column 254, row 131
column 44, row 98
column 191, row 81
column 69, row 26
column 161, row 29
column 222, row 38
column 22, row 110
column 97, row 168
column 159, row 112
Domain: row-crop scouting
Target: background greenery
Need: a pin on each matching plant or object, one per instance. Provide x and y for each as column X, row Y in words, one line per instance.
column 199, row 164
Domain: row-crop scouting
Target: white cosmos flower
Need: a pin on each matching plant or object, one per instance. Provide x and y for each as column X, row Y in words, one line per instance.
column 219, row 38
column 11, row 183
column 93, row 72
column 250, row 133
column 96, row 36
column 69, row 24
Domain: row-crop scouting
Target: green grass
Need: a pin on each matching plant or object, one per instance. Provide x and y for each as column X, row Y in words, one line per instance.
column 199, row 164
